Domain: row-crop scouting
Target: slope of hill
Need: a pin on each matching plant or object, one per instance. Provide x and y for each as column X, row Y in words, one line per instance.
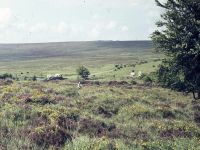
column 112, row 110
column 72, row 49
column 65, row 57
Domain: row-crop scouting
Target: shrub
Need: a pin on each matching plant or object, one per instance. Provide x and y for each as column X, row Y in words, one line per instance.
column 25, row 78
column 6, row 75
column 147, row 79
column 119, row 66
column 169, row 78
column 34, row 78
column 142, row 76
column 83, row 72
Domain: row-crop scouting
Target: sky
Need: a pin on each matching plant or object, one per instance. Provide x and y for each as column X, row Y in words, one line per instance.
column 35, row 21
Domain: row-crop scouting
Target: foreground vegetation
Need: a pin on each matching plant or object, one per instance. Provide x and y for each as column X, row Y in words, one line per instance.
column 110, row 110
column 101, row 115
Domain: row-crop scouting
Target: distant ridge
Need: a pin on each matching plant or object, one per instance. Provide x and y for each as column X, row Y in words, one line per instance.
column 28, row 51
column 76, row 42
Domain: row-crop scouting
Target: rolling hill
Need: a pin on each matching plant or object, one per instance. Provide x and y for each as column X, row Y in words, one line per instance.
column 9, row 52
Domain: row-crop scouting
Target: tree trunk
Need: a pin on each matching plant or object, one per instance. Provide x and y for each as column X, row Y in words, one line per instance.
column 199, row 95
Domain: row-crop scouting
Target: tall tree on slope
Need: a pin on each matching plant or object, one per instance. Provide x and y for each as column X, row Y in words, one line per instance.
column 178, row 36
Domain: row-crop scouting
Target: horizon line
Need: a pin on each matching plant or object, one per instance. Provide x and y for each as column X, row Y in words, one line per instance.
column 73, row 42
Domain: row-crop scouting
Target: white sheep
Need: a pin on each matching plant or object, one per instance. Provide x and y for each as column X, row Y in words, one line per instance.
column 79, row 85
column 139, row 73
column 49, row 76
column 58, row 75
column 132, row 74
column 54, row 77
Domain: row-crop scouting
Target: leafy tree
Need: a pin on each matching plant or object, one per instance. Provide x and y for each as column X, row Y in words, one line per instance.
column 83, row 72
column 178, row 36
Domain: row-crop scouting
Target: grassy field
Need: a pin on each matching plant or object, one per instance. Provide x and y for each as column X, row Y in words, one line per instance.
column 64, row 58
column 110, row 111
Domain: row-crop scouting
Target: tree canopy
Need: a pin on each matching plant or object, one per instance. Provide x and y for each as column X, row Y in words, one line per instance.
column 178, row 37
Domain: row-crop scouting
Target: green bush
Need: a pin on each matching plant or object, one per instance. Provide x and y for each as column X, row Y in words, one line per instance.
column 147, row 79
column 6, row 75
column 167, row 77
column 83, row 72
column 34, row 78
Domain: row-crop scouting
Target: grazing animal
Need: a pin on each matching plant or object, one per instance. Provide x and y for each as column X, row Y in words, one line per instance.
column 139, row 73
column 79, row 85
column 55, row 77
column 48, row 76
column 132, row 74
column 58, row 75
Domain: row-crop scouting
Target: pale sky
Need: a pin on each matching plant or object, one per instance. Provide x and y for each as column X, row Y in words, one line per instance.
column 31, row 21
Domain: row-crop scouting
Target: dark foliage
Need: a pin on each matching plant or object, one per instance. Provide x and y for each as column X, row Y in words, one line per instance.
column 179, row 39
column 83, row 72
column 6, row 75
